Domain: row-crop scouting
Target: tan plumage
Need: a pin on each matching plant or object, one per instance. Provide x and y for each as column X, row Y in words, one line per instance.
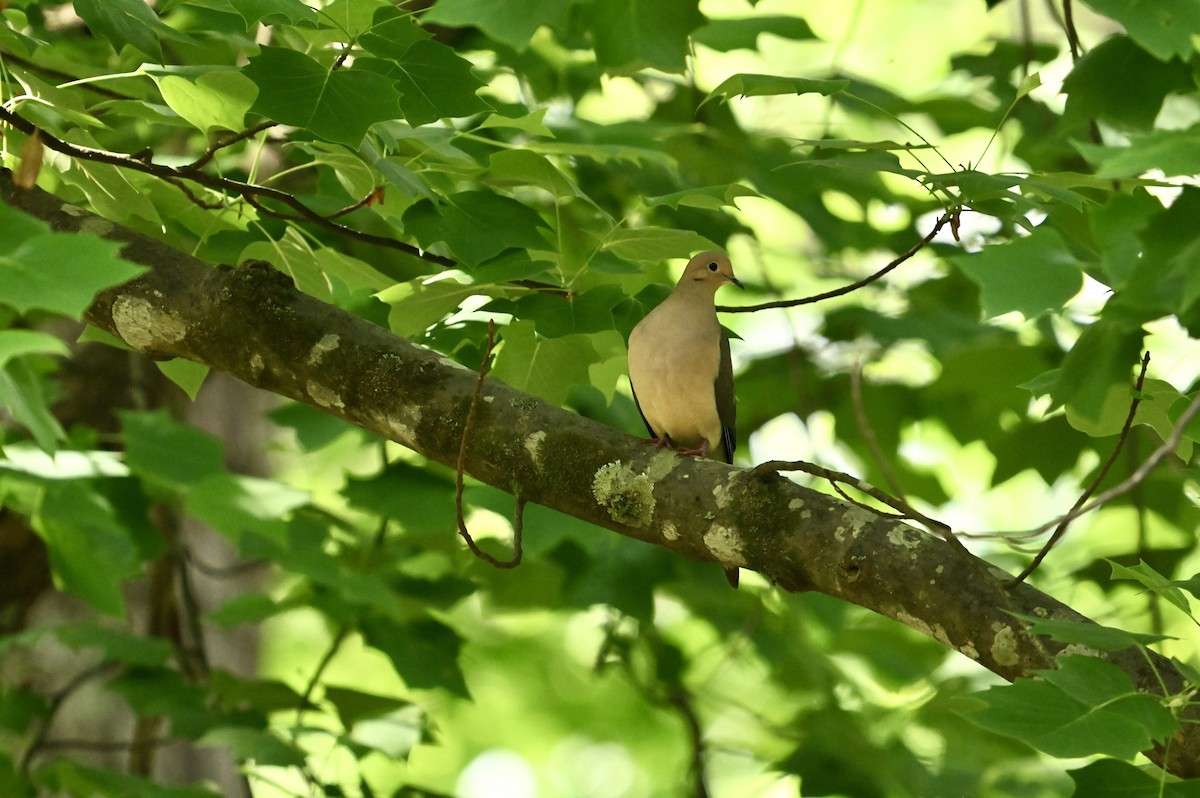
column 679, row 366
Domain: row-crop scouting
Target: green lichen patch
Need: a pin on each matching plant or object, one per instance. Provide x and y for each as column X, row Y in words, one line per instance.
column 627, row 496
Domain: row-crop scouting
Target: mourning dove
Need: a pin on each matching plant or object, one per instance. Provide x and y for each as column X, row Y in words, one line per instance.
column 679, row 367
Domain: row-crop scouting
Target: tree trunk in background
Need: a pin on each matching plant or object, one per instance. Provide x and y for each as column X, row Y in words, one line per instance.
column 98, row 382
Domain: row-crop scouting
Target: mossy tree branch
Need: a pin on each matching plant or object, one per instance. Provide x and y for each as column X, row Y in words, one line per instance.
column 251, row 323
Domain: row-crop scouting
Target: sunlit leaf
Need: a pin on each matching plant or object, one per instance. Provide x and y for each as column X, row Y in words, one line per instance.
column 751, row 85
column 741, row 33
column 213, row 100
column 1086, row 706
column 59, row 272
column 1167, row 28
column 1154, row 581
column 511, row 23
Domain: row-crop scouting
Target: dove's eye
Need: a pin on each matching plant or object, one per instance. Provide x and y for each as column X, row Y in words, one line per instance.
column 712, row 266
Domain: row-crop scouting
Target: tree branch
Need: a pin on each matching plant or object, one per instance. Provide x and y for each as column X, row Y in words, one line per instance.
column 253, row 324
column 847, row 289
column 253, row 193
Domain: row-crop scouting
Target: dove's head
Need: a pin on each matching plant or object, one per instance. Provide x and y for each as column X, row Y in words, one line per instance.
column 711, row 269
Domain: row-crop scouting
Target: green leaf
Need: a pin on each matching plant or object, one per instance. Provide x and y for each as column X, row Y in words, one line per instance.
column 58, row 272
column 425, row 652
column 293, row 12
column 741, row 33
column 547, row 367
column 1153, row 410
column 164, row 692
column 130, row 22
column 353, row 706
column 323, row 272
column 1165, row 27
column 166, row 452
column 1092, row 635
column 1173, row 152
column 17, row 343
column 1101, row 361
column 255, row 745
column 218, row 99
column 393, row 32
column 654, row 244
column 1110, row 778
column 114, row 193
column 512, row 23
column 22, row 395
column 629, row 35
column 522, row 167
column 712, row 198
column 752, row 85
column 336, row 105
column 68, row 777
column 240, row 507
column 434, row 81
column 247, row 608
column 476, row 225
column 1120, row 83
column 1153, row 581
column 1086, row 706
column 420, row 500
column 91, row 552
column 186, row 374
column 418, row 305
column 116, row 645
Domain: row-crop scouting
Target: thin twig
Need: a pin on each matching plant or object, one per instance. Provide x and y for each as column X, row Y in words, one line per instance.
column 1095, row 483
column 1132, row 481
column 106, row 745
column 217, row 146
column 306, row 697
column 1069, row 27
column 868, row 432
column 682, row 702
column 846, row 289
column 373, row 196
column 55, row 704
column 519, row 514
column 899, row 505
column 63, row 77
column 253, row 193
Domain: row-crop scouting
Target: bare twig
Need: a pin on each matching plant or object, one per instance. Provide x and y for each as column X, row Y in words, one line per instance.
column 519, row 514
column 313, row 680
column 108, row 745
column 682, row 703
column 39, row 741
column 846, row 289
column 1132, row 481
column 899, row 505
column 1069, row 27
column 373, row 196
column 868, row 432
column 1095, row 483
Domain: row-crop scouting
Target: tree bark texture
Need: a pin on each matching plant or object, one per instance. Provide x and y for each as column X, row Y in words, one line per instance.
column 250, row 322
